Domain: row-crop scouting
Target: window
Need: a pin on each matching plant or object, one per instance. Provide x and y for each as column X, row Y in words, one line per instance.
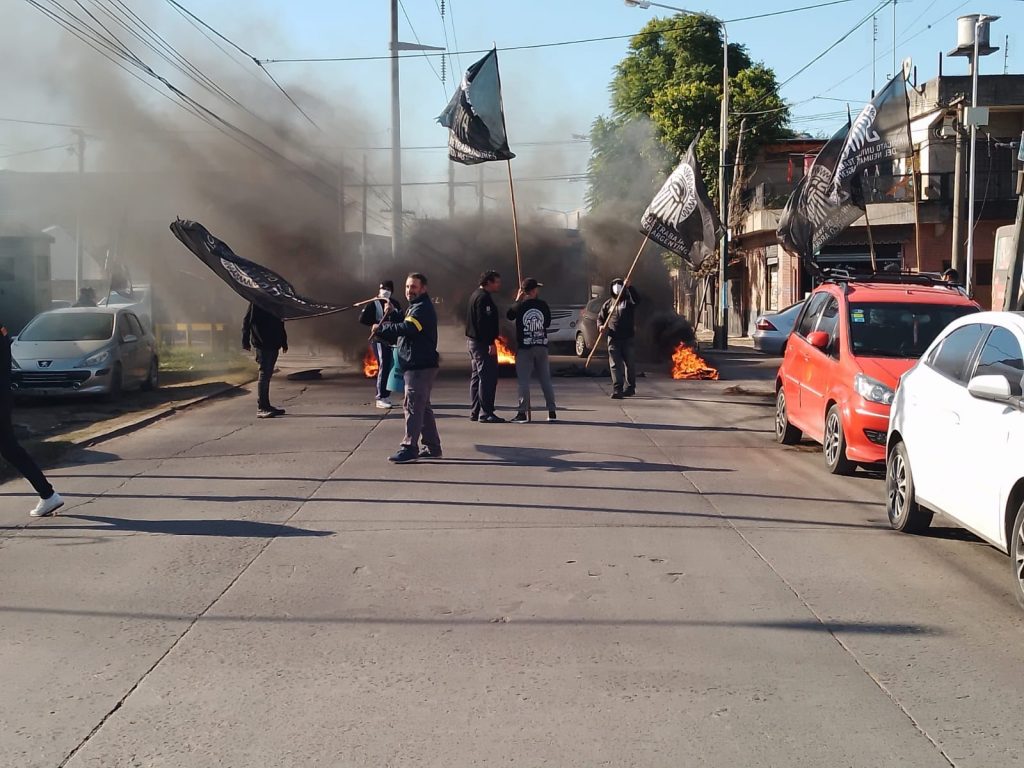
column 69, row 326
column 809, row 318
column 954, row 355
column 134, row 326
column 1001, row 356
column 900, row 330
column 829, row 320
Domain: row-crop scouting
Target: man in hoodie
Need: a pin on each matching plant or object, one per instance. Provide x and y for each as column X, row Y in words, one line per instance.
column 49, row 500
column 266, row 333
column 532, row 317
column 481, row 333
column 617, row 317
column 416, row 337
column 374, row 314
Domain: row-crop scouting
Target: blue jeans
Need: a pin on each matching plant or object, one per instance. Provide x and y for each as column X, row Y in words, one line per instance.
column 385, row 360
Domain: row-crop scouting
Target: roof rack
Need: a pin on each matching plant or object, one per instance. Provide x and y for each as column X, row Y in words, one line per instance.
column 844, row 278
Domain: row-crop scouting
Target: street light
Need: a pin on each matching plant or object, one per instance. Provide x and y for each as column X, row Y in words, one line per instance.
column 722, row 321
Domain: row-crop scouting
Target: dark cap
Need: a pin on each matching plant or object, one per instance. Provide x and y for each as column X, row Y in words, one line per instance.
column 618, row 281
column 529, row 284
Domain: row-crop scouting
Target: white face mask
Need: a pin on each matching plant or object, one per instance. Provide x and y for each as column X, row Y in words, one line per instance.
column 616, row 289
column 384, row 293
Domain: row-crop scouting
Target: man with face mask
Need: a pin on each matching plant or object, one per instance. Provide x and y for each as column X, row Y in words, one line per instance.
column 49, row 500
column 374, row 313
column 617, row 319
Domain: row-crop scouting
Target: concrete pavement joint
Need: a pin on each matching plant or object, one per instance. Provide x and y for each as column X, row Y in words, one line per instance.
column 120, row 703
column 824, row 624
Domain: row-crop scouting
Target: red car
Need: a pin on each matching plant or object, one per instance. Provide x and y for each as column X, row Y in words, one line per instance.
column 854, row 339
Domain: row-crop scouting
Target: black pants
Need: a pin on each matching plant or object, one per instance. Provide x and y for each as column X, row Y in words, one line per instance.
column 622, row 362
column 483, row 381
column 267, row 361
column 385, row 361
column 12, row 451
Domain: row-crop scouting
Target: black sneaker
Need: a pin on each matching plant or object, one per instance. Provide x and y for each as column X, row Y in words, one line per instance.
column 616, row 395
column 552, row 416
column 490, row 418
column 405, row 455
column 629, row 392
column 431, row 453
column 520, row 418
column 265, row 413
column 474, row 417
column 278, row 411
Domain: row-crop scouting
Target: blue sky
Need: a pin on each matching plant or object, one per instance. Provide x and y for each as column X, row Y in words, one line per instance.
column 553, row 93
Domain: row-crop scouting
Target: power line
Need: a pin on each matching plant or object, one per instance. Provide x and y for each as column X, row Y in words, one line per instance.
column 35, row 151
column 412, row 29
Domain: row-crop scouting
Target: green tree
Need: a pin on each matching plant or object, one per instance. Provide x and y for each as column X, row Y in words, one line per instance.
column 672, row 77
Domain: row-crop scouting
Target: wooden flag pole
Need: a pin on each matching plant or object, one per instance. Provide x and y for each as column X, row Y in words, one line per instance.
column 600, row 332
column 871, row 240
column 515, row 221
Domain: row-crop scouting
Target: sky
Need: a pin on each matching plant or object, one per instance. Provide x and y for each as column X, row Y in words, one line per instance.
column 550, row 94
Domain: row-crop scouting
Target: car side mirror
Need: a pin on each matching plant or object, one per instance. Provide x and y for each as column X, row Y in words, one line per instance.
column 818, row 340
column 995, row 388
column 130, row 338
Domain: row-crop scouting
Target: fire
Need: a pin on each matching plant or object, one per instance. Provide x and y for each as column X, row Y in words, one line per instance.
column 687, row 364
column 370, row 365
column 505, row 354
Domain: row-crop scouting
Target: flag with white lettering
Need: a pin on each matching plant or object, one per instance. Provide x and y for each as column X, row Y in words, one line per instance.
column 475, row 118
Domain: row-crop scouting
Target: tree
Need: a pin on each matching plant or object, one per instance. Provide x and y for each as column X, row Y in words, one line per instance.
column 672, row 77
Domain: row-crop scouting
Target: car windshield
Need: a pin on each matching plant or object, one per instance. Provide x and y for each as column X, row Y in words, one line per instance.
column 899, row 330
column 70, row 326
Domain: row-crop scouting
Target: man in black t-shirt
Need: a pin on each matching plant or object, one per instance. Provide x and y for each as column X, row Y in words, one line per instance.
column 533, row 318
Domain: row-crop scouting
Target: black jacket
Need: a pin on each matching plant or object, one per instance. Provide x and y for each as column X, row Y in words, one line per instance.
column 263, row 330
column 533, row 318
column 377, row 310
column 5, row 365
column 621, row 324
column 482, row 317
column 415, row 334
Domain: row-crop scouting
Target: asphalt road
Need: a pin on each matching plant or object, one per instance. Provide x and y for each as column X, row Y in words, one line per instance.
column 647, row 583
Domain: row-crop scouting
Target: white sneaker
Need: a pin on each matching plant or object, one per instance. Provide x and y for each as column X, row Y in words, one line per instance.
column 48, row 506
column 385, row 403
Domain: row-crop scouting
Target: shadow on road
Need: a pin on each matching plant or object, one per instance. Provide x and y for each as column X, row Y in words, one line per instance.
column 233, row 529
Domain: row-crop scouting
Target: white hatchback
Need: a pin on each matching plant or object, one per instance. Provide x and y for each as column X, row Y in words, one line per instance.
column 956, row 435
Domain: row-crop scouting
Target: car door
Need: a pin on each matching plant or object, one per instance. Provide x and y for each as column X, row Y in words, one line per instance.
column 822, row 366
column 128, row 343
column 144, row 349
column 985, row 428
column 795, row 364
column 933, row 409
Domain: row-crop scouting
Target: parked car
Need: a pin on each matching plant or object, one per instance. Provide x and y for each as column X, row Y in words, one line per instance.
column 85, row 351
column 587, row 328
column 957, row 433
column 562, row 333
column 772, row 329
column 853, row 339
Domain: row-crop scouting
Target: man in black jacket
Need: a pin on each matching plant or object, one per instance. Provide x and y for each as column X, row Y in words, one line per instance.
column 481, row 332
column 617, row 317
column 266, row 333
column 416, row 337
column 373, row 314
column 532, row 317
column 49, row 500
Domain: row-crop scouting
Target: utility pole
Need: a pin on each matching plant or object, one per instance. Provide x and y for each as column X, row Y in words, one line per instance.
column 956, row 257
column 480, row 193
column 78, row 212
column 722, row 326
column 362, row 244
column 396, row 141
column 451, row 189
column 893, row 39
column 341, row 208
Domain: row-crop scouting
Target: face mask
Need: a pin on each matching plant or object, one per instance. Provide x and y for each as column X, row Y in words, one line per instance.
column 384, row 293
column 616, row 289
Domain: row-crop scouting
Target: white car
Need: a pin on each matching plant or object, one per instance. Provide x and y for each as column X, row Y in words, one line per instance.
column 956, row 435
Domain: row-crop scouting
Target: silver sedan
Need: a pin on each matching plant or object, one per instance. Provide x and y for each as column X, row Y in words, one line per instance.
column 773, row 328
column 84, row 351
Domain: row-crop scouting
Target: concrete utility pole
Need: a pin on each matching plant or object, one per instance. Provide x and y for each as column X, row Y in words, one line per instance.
column 362, row 244
column 78, row 212
column 956, row 257
column 451, row 189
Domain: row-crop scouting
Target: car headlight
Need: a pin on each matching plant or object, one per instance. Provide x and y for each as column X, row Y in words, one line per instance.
column 14, row 365
column 873, row 390
column 97, row 358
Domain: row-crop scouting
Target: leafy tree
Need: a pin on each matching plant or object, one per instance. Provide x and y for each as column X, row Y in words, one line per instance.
column 672, row 77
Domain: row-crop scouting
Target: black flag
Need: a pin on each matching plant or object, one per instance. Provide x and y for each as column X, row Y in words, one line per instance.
column 475, row 118
column 830, row 197
column 681, row 217
column 256, row 284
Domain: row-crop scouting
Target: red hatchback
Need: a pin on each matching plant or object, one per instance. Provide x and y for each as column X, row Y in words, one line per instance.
column 849, row 347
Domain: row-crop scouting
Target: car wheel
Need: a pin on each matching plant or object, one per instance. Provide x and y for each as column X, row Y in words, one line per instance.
column 581, row 346
column 116, row 383
column 785, row 433
column 153, row 379
column 1017, row 555
column 905, row 514
column 834, row 444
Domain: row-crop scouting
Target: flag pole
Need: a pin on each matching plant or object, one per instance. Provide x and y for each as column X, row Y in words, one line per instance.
column 871, row 240
column 600, row 331
column 515, row 221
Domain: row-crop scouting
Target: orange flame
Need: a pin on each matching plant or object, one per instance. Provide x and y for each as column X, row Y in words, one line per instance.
column 370, row 365
column 687, row 364
column 505, row 354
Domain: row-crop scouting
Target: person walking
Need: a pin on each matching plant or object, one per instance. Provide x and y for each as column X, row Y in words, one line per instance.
column 532, row 317
column 415, row 335
column 481, row 333
column 374, row 314
column 617, row 319
column 49, row 500
column 266, row 333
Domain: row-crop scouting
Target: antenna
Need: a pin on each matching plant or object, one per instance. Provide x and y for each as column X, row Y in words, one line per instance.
column 1006, row 56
